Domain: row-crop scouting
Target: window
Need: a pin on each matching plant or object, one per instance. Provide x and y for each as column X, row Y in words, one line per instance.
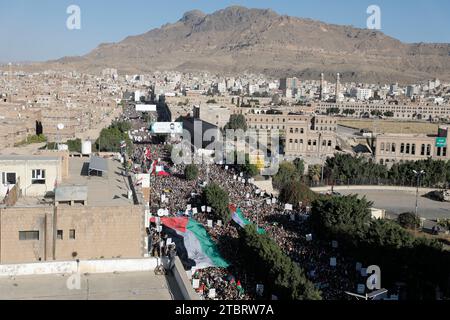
column 38, row 176
column 388, row 147
column 408, row 146
column 72, row 234
column 28, row 235
column 59, row 235
column 413, row 149
column 402, row 148
column 309, row 142
column 302, row 130
column 382, row 147
column 444, row 151
column 429, row 150
column 438, row 153
column 296, row 130
column 422, row 151
column 9, row 178
column 330, row 143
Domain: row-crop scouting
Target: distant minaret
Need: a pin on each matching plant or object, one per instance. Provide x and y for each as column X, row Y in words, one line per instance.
column 338, row 87
column 322, row 87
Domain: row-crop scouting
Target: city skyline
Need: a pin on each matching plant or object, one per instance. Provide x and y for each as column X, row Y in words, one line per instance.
column 37, row 32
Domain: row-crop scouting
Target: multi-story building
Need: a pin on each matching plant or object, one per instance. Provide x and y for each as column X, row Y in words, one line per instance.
column 54, row 212
column 395, row 148
column 305, row 135
column 400, row 111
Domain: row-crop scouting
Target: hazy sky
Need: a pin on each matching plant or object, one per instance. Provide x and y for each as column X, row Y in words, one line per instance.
column 32, row 30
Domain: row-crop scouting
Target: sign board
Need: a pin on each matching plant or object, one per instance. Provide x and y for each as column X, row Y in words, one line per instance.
column 208, row 209
column 167, row 127
column 441, row 142
column 333, row 262
column 203, row 208
column 288, row 206
column 212, row 293
column 268, row 202
column 219, row 223
column 196, row 283
column 146, row 108
column 210, row 223
column 144, row 179
column 194, row 211
column 274, row 200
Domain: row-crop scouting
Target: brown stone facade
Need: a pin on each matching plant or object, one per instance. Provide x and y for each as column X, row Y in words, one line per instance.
column 67, row 233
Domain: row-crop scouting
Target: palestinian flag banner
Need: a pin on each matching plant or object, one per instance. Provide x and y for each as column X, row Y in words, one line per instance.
column 193, row 244
column 239, row 218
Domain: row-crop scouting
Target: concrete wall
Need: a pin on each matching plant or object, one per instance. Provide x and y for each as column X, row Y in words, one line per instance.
column 100, row 233
column 69, row 267
column 185, row 286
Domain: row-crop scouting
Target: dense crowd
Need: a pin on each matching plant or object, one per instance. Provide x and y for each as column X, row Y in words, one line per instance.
column 288, row 229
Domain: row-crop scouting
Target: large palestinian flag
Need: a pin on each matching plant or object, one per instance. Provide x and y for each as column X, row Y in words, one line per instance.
column 194, row 246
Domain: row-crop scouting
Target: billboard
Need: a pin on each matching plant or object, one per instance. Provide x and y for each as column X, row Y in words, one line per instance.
column 167, row 127
column 441, row 142
column 146, row 108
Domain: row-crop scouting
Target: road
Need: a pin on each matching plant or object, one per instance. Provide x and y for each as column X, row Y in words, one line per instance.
column 396, row 202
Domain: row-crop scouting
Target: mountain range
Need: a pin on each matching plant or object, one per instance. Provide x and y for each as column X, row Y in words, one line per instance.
column 237, row 39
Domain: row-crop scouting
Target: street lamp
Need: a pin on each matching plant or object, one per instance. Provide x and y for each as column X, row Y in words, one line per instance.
column 418, row 175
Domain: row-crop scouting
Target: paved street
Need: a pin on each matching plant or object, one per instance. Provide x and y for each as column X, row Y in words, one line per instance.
column 396, row 202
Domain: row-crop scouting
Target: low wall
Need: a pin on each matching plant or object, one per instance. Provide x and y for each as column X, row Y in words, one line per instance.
column 70, row 267
column 183, row 282
column 375, row 188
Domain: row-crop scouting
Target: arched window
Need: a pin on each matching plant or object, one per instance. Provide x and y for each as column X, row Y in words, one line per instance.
column 309, row 142
column 296, row 141
column 408, row 147
column 422, row 150
column 402, row 148
column 388, row 147
column 413, row 149
column 429, row 150
column 301, row 141
column 382, row 147
column 393, row 147
column 330, row 143
column 296, row 130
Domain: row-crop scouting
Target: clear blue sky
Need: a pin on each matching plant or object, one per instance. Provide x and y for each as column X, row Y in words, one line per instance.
column 32, row 30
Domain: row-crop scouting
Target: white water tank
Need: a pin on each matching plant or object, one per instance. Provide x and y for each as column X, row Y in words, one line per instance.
column 63, row 147
column 86, row 147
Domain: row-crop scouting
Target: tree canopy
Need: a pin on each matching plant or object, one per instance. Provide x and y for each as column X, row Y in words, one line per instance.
column 191, row 172
column 237, row 121
column 218, row 199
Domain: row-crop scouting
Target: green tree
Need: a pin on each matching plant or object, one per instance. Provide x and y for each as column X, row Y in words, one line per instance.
column 299, row 166
column 237, row 121
column 218, row 199
column 274, row 268
column 295, row 191
column 191, row 172
column 334, row 216
column 287, row 172
column 408, row 220
column 315, row 172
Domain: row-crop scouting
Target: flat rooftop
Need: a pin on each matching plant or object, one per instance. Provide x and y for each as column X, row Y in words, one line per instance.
column 111, row 286
column 110, row 189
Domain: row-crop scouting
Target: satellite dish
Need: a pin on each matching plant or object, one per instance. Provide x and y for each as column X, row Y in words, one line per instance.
column 60, row 126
